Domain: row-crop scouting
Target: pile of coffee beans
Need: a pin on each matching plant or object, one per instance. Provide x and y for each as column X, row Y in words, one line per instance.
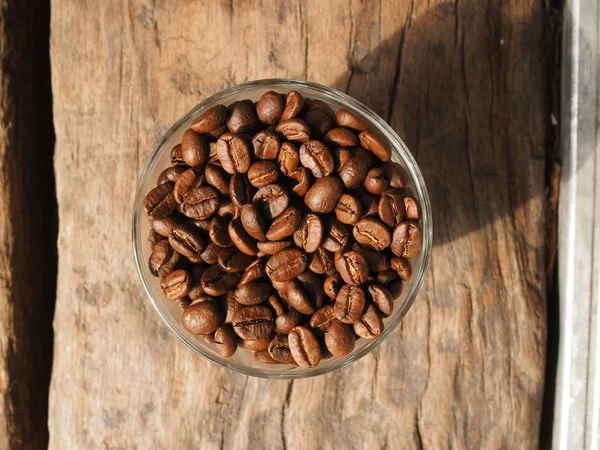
column 284, row 228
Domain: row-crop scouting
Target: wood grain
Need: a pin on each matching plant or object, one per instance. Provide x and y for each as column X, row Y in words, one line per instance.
column 27, row 224
column 462, row 82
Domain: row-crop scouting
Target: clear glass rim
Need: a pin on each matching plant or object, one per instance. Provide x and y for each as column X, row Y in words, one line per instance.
column 397, row 145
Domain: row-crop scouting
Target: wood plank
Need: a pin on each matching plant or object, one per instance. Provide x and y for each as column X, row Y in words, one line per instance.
column 462, row 82
column 27, row 224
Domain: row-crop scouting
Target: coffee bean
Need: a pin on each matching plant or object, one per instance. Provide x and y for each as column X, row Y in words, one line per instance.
column 372, row 234
column 315, row 156
column 231, row 306
column 183, row 303
column 225, row 341
column 407, row 240
column 201, row 203
column 339, row 339
column 349, row 304
column 402, row 267
column 285, row 322
column 301, row 181
column 253, row 293
column 210, row 120
column 286, row 265
column 233, row 151
column 262, row 173
column 304, row 347
column 318, row 122
column 393, row 174
column 228, row 209
column 412, row 209
column 280, row 350
column 164, row 226
column 370, row 205
column 187, row 181
column 391, row 208
column 194, row 148
column 294, row 130
column 271, row 200
column 170, row 174
column 176, row 284
column 309, row 234
column 382, row 298
column 336, row 237
column 210, row 254
column 341, row 156
column 312, row 284
column 294, row 103
column 242, row 119
column 354, row 172
column 377, row 261
column 269, row 108
column 324, row 195
column 273, row 247
column 319, row 105
column 321, row 262
column 332, row 285
column 266, row 144
column 253, row 222
column 340, row 137
column 254, row 322
column 202, row 318
column 276, row 304
column 264, row 357
column 153, row 239
column 369, row 325
column 215, row 176
column 232, row 260
column 385, row 277
column 353, row 267
column 240, row 190
column 299, row 298
column 348, row 209
column 186, row 240
column 163, row 259
column 284, row 225
column 216, row 281
column 196, row 291
column 219, row 232
column 376, row 143
column 375, row 181
column 323, row 317
column 345, row 118
column 160, row 202
column 281, row 288
column 241, row 239
column 254, row 271
column 177, row 156
column 288, row 158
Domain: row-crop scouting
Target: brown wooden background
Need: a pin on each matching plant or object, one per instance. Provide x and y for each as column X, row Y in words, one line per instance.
column 464, row 83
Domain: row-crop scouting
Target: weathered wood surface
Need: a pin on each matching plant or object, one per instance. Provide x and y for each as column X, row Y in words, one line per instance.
column 27, row 225
column 462, row 82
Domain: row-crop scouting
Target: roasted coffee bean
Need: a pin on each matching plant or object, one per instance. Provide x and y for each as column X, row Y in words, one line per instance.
column 294, row 102
column 299, row 298
column 256, row 345
column 266, row 144
column 375, row 181
column 163, row 226
column 412, row 209
column 231, row 306
column 294, row 130
column 210, row 120
column 170, row 174
column 262, row 173
column 242, row 119
column 269, row 108
column 271, row 200
column 377, row 261
column 304, row 347
column 187, row 181
column 315, row 156
column 183, row 303
column 219, row 232
column 385, row 277
column 288, row 158
column 407, row 240
column 285, row 322
column 176, row 284
column 281, row 288
column 336, row 237
column 202, row 225
column 186, row 240
column 391, row 208
column 284, row 225
column 301, row 181
column 353, row 267
column 332, row 285
column 264, row 357
column 253, row 222
column 196, row 291
column 240, row 190
column 340, row 137
column 286, row 265
column 354, row 172
column 393, row 174
column 376, row 143
column 309, row 234
column 177, row 156
column 276, row 303
column 370, row 205
column 280, row 350
column 318, row 122
column 225, row 341
column 396, row 287
column 348, row 209
column 402, row 267
column 369, row 325
column 319, row 105
column 201, row 203
column 163, row 259
column 216, row 281
column 273, row 247
column 341, row 156
column 241, row 239
column 202, row 318
column 253, row 293
column 339, row 339
column 372, row 234
column 323, row 317
column 213, row 158
column 312, row 284
column 160, row 202
column 345, row 118
column 254, row 271
column 215, row 176
column 321, row 262
column 324, row 195
column 233, row 151
column 254, row 322
column 194, row 148
column 349, row 304
column 382, row 298
column 232, row 260
column 153, row 239
column 210, row 254
column 228, row 208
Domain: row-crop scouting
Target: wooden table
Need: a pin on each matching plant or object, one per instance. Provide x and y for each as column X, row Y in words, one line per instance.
column 462, row 82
